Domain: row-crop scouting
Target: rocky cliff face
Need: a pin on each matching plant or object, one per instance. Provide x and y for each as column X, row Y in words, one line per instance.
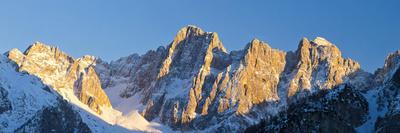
column 318, row 65
column 195, row 83
column 366, row 103
column 182, row 75
column 27, row 105
column 63, row 73
column 388, row 97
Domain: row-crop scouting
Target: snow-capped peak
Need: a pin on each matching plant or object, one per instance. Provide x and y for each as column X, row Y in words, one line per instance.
column 322, row 41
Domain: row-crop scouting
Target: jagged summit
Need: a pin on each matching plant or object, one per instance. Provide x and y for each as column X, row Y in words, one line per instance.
column 195, row 77
column 318, row 41
column 189, row 47
column 392, row 63
column 193, row 34
column 188, row 31
column 38, row 44
column 193, row 26
column 38, row 47
column 317, row 64
column 392, row 60
column 194, row 84
column 42, row 48
column 256, row 42
column 63, row 73
column 322, row 41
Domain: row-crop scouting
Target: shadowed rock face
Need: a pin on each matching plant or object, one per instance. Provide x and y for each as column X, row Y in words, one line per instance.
column 389, row 77
column 340, row 110
column 61, row 118
column 5, row 104
column 63, row 73
column 195, row 83
column 388, row 124
column 396, row 78
column 136, row 73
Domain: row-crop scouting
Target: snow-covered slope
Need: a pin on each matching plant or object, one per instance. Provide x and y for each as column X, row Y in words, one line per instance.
column 389, row 95
column 63, row 73
column 27, row 105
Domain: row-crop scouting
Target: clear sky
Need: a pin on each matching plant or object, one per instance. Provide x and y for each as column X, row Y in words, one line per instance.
column 365, row 30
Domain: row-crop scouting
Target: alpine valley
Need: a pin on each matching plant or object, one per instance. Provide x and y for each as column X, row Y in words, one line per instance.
column 195, row 85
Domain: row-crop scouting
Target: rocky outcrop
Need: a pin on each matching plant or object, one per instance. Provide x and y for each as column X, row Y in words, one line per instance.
column 63, row 73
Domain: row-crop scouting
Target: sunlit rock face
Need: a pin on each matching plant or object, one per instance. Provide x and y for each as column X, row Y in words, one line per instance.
column 318, row 65
column 251, row 83
column 194, row 83
column 178, row 91
column 63, row 73
column 28, row 105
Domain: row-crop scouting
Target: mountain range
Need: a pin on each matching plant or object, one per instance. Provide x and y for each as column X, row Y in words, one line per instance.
column 195, row 85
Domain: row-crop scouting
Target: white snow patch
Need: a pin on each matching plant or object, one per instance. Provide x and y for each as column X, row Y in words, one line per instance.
column 373, row 112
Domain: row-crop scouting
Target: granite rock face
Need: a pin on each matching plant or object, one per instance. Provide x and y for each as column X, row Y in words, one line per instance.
column 63, row 73
column 195, row 83
column 318, row 65
column 374, row 107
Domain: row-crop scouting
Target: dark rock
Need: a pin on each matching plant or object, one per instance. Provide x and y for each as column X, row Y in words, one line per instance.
column 388, row 124
column 5, row 104
column 59, row 119
column 338, row 111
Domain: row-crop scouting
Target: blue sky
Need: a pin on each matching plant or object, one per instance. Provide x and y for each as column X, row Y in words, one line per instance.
column 365, row 30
